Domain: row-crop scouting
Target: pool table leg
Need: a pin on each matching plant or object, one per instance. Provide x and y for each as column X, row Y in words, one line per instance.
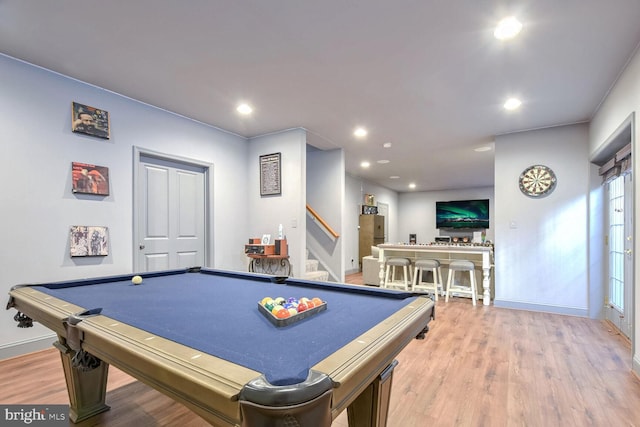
column 371, row 408
column 87, row 388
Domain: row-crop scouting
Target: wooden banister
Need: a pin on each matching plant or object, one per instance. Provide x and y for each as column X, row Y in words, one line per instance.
column 322, row 222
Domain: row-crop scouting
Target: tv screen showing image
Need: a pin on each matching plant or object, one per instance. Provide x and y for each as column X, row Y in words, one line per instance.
column 458, row 214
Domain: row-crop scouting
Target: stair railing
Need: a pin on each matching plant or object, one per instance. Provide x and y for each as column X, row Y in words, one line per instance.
column 322, row 223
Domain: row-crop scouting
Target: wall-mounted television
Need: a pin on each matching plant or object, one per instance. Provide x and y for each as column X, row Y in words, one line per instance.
column 457, row 214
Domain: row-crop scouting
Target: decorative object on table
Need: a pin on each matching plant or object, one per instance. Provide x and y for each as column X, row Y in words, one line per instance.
column 284, row 312
column 369, row 200
column 266, row 239
column 537, row 181
column 88, row 241
column 272, row 259
column 89, row 179
column 257, row 248
column 369, row 210
column 90, row 121
column 413, row 239
column 270, row 175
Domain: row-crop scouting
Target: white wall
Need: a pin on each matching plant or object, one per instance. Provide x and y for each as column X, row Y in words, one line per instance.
column 288, row 209
column 418, row 212
column 37, row 148
column 622, row 101
column 326, row 195
column 541, row 254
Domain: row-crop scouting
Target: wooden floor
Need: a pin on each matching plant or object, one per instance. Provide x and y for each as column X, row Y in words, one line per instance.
column 478, row 366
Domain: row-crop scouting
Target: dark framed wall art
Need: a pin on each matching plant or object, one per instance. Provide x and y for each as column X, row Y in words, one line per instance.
column 270, row 175
column 90, row 120
column 90, row 179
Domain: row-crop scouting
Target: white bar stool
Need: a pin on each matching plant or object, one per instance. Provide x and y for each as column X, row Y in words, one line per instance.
column 462, row 265
column 424, row 265
column 392, row 263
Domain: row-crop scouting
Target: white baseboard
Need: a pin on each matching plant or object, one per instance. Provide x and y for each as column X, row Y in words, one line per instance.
column 569, row 311
column 25, row 347
column 635, row 365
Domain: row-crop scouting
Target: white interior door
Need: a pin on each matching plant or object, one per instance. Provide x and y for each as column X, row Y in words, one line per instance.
column 171, row 215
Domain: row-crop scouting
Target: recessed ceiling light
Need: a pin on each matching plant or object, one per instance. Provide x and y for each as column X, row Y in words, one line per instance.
column 360, row 132
column 365, row 164
column 387, row 145
column 508, row 28
column 244, row 109
column 412, row 185
column 394, row 177
column 512, row 104
column 383, row 162
column 481, row 149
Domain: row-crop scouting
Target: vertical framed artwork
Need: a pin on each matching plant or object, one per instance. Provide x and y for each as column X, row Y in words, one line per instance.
column 270, row 175
column 90, row 120
column 88, row 241
column 89, row 179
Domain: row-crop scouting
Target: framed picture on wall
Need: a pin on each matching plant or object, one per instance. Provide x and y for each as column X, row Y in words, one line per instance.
column 270, row 175
column 90, row 120
column 88, row 241
column 89, row 179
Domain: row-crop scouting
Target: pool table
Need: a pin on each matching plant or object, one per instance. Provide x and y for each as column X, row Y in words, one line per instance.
column 198, row 336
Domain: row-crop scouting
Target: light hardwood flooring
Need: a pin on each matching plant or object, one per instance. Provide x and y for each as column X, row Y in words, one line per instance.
column 478, row 366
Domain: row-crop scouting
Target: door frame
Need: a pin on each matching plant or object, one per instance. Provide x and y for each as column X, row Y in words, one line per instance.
column 207, row 167
column 624, row 133
column 385, row 210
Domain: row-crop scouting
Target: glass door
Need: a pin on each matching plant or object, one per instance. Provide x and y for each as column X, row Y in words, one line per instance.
column 620, row 256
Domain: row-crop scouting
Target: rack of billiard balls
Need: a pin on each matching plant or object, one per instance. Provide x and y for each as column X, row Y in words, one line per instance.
column 284, row 311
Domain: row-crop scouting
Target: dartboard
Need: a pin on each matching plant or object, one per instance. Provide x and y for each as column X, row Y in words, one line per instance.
column 537, row 181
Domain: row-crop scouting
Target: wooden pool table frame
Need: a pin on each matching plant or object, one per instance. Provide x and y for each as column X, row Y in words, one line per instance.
column 208, row 385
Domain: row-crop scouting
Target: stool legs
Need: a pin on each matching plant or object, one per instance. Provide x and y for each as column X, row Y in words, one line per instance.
column 474, row 291
column 472, row 282
column 438, row 285
column 391, row 271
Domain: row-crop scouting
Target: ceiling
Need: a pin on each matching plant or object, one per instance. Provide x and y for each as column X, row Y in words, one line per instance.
column 425, row 75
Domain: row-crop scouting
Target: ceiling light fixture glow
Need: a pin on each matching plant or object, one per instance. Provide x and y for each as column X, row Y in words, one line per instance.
column 507, row 28
column 382, row 162
column 512, row 104
column 394, row 177
column 481, row 149
column 360, row 132
column 365, row 164
column 244, row 109
column 412, row 185
column 387, row 145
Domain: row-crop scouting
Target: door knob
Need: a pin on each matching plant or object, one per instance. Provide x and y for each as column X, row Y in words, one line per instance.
column 141, row 247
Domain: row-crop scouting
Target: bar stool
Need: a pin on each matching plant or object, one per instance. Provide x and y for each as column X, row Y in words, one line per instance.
column 462, row 265
column 392, row 263
column 424, row 265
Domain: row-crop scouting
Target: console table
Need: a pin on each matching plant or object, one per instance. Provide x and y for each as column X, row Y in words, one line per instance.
column 481, row 256
column 270, row 264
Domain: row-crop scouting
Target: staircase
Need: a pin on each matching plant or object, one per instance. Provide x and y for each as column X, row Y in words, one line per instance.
column 311, row 271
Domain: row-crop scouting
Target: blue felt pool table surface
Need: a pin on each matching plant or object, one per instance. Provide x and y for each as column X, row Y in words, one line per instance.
column 216, row 312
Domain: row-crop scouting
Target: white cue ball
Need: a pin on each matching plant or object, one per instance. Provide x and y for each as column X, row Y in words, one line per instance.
column 136, row 280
